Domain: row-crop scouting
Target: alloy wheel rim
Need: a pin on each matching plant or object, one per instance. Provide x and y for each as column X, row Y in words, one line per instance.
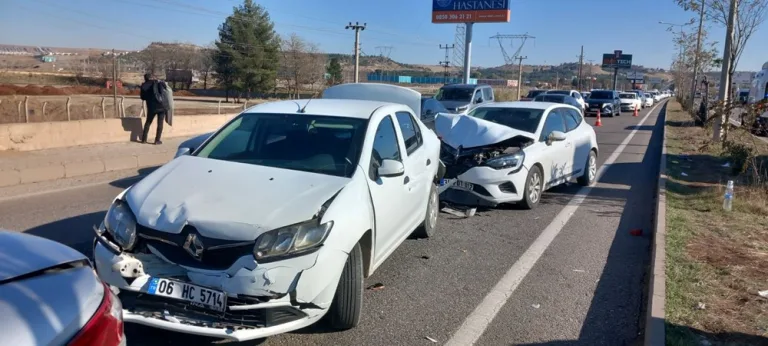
column 592, row 167
column 534, row 188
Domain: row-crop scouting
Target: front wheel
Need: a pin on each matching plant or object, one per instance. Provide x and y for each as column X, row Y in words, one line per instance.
column 347, row 304
column 590, row 170
column 534, row 186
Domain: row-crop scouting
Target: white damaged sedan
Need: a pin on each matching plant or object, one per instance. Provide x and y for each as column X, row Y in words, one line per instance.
column 273, row 222
column 511, row 152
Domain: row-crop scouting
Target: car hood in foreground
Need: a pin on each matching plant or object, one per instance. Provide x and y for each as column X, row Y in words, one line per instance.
column 22, row 254
column 468, row 132
column 228, row 200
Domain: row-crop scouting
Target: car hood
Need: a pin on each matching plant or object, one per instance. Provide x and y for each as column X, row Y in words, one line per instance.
column 451, row 105
column 24, row 253
column 468, row 132
column 228, row 200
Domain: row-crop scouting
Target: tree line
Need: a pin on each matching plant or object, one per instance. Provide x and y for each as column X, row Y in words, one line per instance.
column 248, row 58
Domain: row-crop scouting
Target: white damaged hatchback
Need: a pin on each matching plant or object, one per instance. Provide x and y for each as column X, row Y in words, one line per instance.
column 274, row 221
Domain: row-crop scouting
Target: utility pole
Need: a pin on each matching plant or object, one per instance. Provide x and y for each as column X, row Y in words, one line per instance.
column 357, row 28
column 114, row 83
column 581, row 62
column 446, row 64
column 557, row 79
column 590, row 73
column 467, row 51
column 698, row 52
column 724, row 81
column 520, row 59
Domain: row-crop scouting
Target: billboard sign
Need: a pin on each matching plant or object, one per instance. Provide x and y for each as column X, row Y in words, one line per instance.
column 470, row 11
column 611, row 61
column 634, row 75
column 654, row 80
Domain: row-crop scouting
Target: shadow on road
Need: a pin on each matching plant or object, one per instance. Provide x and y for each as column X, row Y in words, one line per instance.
column 75, row 232
column 124, row 183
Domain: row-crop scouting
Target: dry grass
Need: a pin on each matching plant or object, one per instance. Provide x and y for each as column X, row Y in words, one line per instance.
column 717, row 261
column 509, row 94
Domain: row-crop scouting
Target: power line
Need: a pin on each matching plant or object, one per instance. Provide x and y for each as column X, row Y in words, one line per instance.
column 357, row 28
column 446, row 64
column 384, row 50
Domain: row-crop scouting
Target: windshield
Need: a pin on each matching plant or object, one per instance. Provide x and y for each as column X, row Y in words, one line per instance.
column 550, row 98
column 521, row 119
column 534, row 93
column 648, row 95
column 310, row 143
column 455, row 94
column 627, row 96
column 744, row 93
column 559, row 92
column 601, row 95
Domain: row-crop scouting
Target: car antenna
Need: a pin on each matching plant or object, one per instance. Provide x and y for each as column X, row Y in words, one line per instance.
column 303, row 109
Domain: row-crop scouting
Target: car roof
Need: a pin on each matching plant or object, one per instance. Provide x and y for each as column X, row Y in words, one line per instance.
column 26, row 253
column 463, row 86
column 523, row 104
column 359, row 109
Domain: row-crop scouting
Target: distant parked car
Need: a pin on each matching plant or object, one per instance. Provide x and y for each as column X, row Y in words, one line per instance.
column 572, row 93
column 629, row 102
column 50, row 295
column 606, row 101
column 532, row 94
column 565, row 99
column 461, row 98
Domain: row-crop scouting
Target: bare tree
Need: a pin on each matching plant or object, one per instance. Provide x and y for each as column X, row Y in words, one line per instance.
column 302, row 63
column 206, row 62
column 750, row 14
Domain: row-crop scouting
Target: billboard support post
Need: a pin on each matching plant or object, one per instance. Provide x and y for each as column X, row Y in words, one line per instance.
column 469, row 12
column 467, row 51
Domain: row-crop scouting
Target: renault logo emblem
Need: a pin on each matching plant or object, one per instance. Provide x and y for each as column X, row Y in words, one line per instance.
column 194, row 246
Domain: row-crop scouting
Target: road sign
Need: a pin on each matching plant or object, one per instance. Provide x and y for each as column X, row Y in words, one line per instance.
column 617, row 54
column 623, row 61
column 470, row 11
column 654, row 80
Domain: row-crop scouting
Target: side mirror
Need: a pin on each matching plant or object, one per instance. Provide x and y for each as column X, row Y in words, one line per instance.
column 183, row 151
column 479, row 100
column 555, row 136
column 391, row 168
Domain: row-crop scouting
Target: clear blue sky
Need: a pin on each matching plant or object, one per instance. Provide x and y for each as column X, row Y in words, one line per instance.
column 560, row 27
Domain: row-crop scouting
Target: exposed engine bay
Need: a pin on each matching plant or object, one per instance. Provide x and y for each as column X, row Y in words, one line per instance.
column 459, row 160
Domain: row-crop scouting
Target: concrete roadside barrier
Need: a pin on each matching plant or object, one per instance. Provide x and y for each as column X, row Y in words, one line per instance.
column 655, row 323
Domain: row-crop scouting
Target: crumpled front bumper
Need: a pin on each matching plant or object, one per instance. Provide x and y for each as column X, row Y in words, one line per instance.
column 491, row 187
column 262, row 299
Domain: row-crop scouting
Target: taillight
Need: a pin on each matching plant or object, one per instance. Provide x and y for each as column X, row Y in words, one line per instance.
column 105, row 326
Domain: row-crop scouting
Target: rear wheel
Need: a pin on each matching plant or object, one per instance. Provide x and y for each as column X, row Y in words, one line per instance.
column 347, row 304
column 534, row 186
column 427, row 228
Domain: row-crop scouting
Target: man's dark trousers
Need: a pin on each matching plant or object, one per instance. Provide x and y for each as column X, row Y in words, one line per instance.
column 148, row 122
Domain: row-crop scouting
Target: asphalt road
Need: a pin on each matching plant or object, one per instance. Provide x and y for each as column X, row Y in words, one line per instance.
column 564, row 273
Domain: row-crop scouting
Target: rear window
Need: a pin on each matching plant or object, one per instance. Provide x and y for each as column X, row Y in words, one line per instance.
column 601, row 95
column 550, row 98
column 534, row 93
column 559, row 92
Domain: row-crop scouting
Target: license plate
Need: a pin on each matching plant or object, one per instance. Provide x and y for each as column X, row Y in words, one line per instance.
column 463, row 185
column 196, row 295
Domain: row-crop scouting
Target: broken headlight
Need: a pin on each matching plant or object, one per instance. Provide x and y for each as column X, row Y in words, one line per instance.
column 514, row 161
column 291, row 240
column 121, row 224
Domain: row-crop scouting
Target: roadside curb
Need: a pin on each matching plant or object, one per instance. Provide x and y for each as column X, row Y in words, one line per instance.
column 61, row 170
column 655, row 334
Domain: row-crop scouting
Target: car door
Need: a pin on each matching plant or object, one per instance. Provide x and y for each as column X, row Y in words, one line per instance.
column 387, row 193
column 579, row 138
column 417, row 166
column 555, row 156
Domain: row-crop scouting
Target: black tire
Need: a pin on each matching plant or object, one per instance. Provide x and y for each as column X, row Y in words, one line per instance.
column 534, row 175
column 590, row 171
column 427, row 228
column 347, row 304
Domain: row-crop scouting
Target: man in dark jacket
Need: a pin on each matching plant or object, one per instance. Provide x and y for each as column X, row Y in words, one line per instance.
column 154, row 108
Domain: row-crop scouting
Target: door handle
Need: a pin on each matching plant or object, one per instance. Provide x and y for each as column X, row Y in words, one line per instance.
column 406, row 180
column 429, row 162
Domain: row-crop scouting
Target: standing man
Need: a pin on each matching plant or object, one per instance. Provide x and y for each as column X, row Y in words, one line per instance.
column 155, row 107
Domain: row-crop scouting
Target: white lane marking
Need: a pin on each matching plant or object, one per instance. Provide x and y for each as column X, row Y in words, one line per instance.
column 475, row 324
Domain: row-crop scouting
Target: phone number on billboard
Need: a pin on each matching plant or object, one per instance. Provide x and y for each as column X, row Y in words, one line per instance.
column 453, row 16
